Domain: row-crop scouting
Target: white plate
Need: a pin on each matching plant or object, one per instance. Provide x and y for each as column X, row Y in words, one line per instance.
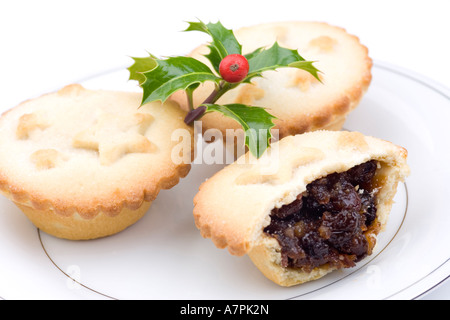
column 163, row 256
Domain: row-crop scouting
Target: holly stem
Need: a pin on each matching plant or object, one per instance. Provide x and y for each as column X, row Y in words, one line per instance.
column 197, row 113
column 212, row 97
column 194, row 114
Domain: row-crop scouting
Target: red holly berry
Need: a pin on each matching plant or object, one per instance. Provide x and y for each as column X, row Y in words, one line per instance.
column 234, row 68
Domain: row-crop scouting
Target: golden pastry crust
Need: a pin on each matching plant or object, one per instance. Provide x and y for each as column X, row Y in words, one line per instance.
column 256, row 187
column 298, row 100
column 79, row 161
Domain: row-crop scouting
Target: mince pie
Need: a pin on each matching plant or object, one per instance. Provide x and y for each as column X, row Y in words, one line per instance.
column 83, row 164
column 298, row 100
column 312, row 204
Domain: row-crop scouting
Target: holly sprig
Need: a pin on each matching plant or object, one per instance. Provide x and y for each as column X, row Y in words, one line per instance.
column 160, row 78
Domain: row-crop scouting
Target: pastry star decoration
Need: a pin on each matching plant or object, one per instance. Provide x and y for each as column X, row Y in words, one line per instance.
column 113, row 136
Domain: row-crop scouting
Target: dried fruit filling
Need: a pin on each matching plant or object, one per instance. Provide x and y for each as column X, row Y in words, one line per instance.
column 330, row 223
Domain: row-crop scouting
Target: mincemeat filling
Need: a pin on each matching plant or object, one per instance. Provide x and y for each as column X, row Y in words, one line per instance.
column 329, row 223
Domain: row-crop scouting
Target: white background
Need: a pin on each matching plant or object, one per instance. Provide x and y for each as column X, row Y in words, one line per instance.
column 48, row 44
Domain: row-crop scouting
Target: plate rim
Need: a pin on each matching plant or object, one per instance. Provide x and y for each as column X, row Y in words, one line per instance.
column 444, row 91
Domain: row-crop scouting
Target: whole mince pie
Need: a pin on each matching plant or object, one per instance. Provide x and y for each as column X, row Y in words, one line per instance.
column 300, row 102
column 83, row 164
column 312, row 204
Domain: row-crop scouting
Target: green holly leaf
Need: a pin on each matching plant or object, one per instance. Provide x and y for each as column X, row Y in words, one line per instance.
column 307, row 66
column 270, row 59
column 223, row 41
column 140, row 66
column 255, row 121
column 277, row 57
column 250, row 55
column 173, row 74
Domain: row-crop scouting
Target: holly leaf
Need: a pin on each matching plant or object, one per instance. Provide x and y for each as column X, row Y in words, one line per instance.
column 307, row 66
column 173, row 74
column 140, row 66
column 250, row 55
column 223, row 42
column 276, row 57
column 255, row 121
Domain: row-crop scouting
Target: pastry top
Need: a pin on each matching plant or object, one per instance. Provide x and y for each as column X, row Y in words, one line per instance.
column 299, row 101
column 79, row 150
column 233, row 207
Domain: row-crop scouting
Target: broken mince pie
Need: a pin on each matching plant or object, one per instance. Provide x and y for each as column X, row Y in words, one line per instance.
column 84, row 164
column 318, row 209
